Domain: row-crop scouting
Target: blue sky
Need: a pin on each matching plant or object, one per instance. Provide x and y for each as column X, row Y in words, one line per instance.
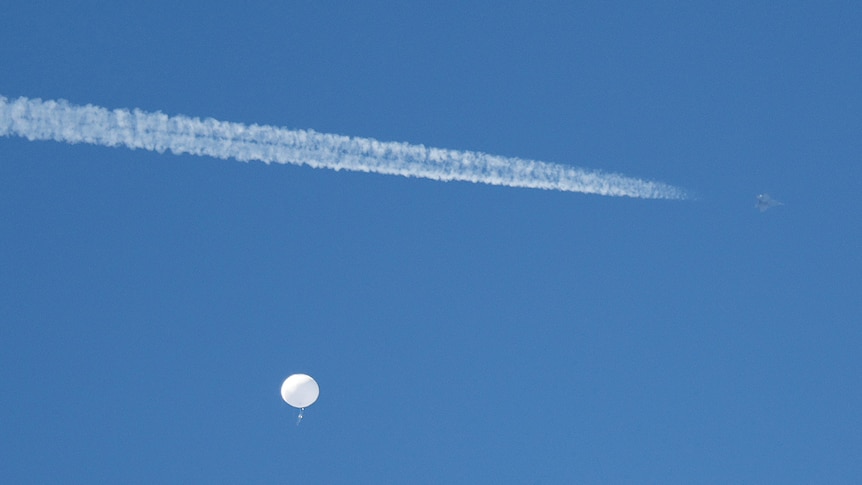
column 151, row 304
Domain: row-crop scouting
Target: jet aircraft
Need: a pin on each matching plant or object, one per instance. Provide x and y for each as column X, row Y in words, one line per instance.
column 764, row 202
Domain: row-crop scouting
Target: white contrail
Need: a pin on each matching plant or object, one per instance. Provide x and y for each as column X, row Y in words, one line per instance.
column 35, row 119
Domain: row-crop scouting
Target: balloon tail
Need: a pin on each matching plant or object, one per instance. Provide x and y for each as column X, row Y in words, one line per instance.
column 299, row 418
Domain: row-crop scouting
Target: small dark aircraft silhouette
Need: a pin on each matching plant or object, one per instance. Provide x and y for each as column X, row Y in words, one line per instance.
column 764, row 202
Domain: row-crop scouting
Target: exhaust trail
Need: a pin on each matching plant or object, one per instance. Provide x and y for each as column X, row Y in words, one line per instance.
column 62, row 121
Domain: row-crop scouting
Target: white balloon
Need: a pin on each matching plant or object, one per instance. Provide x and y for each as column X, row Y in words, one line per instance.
column 300, row 390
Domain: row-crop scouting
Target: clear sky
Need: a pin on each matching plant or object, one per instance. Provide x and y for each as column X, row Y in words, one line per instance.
column 152, row 304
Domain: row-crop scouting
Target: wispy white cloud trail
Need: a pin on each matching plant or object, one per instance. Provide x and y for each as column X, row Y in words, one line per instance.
column 36, row 119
